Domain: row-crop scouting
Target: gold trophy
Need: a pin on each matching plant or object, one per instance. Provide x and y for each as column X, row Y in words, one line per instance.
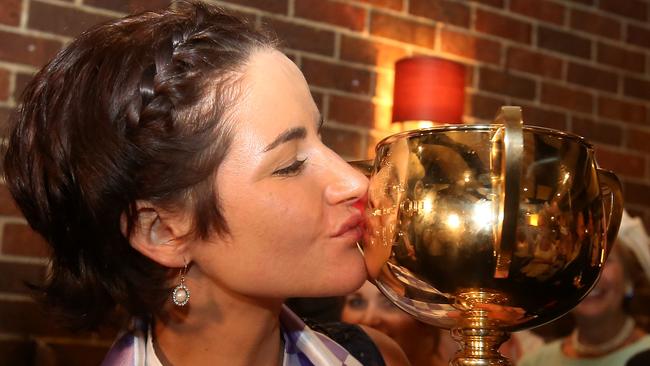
column 488, row 229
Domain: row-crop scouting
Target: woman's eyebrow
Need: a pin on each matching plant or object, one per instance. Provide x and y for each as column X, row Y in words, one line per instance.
column 287, row 135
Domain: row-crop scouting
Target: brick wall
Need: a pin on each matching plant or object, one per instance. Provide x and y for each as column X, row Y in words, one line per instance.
column 576, row 65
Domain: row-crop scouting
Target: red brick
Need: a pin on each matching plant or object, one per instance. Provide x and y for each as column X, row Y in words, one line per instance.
column 4, row 84
column 535, row 116
column 631, row 165
column 10, row 12
column 622, row 110
column 638, row 36
column 495, row 3
column 443, row 11
column 593, row 131
column 7, row 204
column 567, row 98
column 29, row 50
column 502, row 26
column 21, row 82
column 637, row 193
column 369, row 52
column 303, row 38
column 344, row 143
column 335, row 76
column 372, row 142
column 638, row 139
column 541, row 9
column 534, row 62
column 592, row 77
column 504, row 83
column 16, row 276
column 26, row 317
column 637, row 88
column 61, row 20
column 351, row 111
column 621, row 58
column 318, row 100
column 385, row 25
column 389, row 4
column 19, row 239
column 595, row 23
column 128, row 6
column 469, row 46
column 635, row 9
column 327, row 11
column 484, row 107
column 564, row 42
column 5, row 112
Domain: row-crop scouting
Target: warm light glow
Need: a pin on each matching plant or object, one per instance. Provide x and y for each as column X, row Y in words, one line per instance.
column 428, row 88
column 482, row 215
column 427, row 205
column 453, row 221
column 466, row 177
column 533, row 219
column 566, row 177
column 410, row 125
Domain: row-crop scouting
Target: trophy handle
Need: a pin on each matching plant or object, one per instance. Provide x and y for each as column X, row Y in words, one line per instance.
column 364, row 166
column 511, row 118
column 612, row 192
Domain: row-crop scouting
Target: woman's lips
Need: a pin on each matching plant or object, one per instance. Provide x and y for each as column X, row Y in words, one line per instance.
column 352, row 227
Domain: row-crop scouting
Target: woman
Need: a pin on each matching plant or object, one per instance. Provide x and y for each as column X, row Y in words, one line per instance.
column 173, row 162
column 423, row 344
column 606, row 331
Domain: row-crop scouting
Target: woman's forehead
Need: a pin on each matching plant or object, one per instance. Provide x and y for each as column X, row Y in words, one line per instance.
column 274, row 94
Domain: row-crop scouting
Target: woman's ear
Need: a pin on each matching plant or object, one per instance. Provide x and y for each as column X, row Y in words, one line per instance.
column 159, row 234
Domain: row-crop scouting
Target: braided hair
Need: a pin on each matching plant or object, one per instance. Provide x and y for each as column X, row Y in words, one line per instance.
column 133, row 109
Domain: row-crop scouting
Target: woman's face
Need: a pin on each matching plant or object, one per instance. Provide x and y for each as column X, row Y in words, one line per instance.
column 368, row 306
column 288, row 200
column 607, row 296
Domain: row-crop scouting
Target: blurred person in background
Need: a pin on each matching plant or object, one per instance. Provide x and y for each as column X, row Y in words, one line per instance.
column 424, row 345
column 609, row 322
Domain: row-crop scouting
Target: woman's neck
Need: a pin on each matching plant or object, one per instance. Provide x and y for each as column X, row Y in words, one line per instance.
column 219, row 328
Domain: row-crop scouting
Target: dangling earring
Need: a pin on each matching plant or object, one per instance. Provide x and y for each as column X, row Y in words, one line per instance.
column 181, row 294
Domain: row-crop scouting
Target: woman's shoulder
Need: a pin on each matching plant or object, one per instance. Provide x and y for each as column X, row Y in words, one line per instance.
column 367, row 345
column 353, row 339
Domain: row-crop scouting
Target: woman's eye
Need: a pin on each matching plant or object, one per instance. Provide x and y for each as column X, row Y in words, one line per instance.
column 292, row 169
column 356, row 303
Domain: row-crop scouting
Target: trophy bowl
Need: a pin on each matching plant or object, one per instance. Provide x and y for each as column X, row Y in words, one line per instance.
column 488, row 229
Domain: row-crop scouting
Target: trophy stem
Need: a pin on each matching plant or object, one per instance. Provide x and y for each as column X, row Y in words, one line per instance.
column 479, row 347
column 479, row 334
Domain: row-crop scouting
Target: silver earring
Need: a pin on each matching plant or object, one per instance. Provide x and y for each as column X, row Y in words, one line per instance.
column 181, row 294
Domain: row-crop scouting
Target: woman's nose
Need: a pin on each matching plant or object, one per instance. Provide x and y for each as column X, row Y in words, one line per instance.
column 370, row 318
column 347, row 184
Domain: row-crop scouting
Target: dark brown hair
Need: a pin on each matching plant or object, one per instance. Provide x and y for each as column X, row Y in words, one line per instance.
column 134, row 109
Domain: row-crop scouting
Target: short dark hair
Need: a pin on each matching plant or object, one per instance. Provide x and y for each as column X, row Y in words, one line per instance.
column 133, row 109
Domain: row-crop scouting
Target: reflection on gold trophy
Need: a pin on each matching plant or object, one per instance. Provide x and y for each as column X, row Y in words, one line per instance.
column 488, row 229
